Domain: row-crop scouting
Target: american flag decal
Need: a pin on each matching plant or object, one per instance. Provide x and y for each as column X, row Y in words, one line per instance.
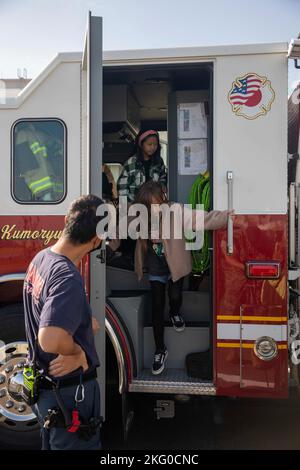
column 251, row 96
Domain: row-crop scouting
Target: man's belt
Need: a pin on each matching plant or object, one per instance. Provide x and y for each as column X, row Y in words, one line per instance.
column 46, row 384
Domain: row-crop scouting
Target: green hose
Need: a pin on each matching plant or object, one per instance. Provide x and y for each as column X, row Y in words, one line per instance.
column 200, row 194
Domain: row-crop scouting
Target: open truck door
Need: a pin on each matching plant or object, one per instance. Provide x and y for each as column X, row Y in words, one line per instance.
column 92, row 129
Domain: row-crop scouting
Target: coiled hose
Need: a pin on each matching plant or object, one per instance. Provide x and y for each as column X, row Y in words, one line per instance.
column 200, row 194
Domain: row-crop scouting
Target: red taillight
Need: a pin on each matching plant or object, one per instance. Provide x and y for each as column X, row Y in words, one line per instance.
column 267, row 270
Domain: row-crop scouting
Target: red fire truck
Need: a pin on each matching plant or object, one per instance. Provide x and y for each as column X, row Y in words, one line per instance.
column 219, row 110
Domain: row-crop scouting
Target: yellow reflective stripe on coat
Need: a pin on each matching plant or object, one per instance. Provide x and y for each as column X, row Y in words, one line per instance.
column 34, row 146
column 37, row 182
column 43, row 151
column 41, row 188
column 37, row 148
column 41, row 185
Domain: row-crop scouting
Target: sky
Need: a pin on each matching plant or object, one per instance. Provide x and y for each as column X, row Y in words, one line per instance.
column 33, row 31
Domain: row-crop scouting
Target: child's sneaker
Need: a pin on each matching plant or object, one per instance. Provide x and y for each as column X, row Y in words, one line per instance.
column 159, row 361
column 178, row 322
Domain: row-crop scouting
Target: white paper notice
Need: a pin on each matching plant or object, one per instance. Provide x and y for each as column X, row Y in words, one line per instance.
column 192, row 156
column 192, row 121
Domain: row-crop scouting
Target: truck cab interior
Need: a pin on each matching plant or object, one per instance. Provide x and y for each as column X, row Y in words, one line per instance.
column 148, row 97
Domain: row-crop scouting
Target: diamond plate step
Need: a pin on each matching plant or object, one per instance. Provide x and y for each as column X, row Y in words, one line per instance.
column 171, row 381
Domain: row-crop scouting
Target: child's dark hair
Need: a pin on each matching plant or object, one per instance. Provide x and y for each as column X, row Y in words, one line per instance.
column 81, row 223
column 150, row 190
column 138, row 149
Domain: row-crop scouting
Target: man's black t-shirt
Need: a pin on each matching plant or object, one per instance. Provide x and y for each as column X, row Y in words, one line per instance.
column 54, row 295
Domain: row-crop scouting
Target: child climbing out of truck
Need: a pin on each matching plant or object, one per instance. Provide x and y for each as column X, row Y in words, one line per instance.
column 167, row 262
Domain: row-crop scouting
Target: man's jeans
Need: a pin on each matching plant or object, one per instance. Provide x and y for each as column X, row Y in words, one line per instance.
column 60, row 438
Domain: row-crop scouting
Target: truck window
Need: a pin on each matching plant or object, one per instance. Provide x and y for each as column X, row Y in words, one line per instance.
column 38, row 161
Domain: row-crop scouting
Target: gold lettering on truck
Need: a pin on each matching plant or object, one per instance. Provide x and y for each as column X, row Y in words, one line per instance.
column 9, row 232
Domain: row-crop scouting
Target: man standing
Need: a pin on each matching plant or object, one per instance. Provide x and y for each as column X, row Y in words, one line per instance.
column 60, row 329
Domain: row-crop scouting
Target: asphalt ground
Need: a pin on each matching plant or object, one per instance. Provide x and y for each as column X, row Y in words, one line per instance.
column 210, row 424
column 204, row 424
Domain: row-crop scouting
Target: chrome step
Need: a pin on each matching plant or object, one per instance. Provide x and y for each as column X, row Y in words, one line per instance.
column 172, row 381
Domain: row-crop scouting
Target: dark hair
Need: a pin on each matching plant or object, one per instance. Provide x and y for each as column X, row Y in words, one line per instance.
column 81, row 223
column 139, row 152
column 149, row 190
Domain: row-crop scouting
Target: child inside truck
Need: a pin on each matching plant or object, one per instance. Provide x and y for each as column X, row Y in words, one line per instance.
column 167, row 262
column 144, row 165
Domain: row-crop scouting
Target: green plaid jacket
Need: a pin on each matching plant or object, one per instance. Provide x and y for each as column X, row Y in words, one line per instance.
column 133, row 176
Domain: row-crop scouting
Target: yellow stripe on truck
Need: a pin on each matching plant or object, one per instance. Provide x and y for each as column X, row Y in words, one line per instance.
column 251, row 318
column 245, row 345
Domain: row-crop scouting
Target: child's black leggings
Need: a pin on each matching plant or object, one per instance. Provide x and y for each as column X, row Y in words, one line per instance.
column 158, row 292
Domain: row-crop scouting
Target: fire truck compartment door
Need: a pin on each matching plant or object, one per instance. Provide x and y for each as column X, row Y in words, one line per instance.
column 248, row 310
